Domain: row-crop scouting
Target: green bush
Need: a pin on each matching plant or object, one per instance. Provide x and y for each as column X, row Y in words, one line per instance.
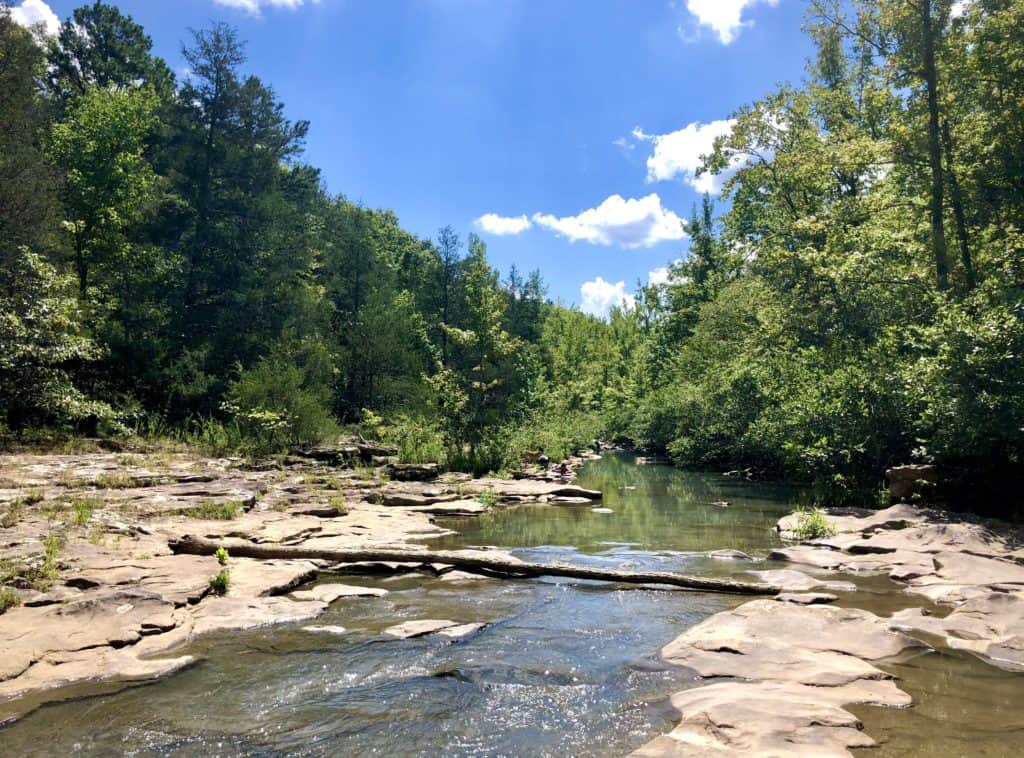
column 282, row 401
column 812, row 524
column 220, row 581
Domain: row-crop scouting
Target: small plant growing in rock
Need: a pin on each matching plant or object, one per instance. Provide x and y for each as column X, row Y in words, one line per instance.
column 43, row 575
column 12, row 515
column 115, row 481
column 83, row 509
column 8, row 599
column 812, row 524
column 339, row 504
column 488, row 498
column 219, row 582
column 215, row 511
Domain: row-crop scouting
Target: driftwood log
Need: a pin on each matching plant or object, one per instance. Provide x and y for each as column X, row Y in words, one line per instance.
column 474, row 563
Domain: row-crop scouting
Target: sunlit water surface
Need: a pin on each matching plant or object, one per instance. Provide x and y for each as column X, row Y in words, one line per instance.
column 563, row 668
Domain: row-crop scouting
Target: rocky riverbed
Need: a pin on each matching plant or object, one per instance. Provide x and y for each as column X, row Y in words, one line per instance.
column 104, row 602
column 96, row 599
column 782, row 672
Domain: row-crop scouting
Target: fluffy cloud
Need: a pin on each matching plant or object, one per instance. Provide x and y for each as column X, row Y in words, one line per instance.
column 678, row 153
column 32, row 12
column 598, row 297
column 492, row 223
column 629, row 223
column 724, row 17
column 254, row 6
column 658, row 276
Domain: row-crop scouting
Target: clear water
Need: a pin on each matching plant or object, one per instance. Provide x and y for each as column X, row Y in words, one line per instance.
column 563, row 667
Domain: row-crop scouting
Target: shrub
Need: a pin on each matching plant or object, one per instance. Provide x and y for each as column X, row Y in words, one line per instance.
column 812, row 524
column 282, row 401
column 222, row 556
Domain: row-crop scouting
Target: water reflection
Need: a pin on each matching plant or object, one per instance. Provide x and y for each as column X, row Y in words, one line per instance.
column 653, row 508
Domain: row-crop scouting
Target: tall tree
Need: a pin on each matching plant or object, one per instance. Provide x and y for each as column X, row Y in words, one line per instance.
column 101, row 47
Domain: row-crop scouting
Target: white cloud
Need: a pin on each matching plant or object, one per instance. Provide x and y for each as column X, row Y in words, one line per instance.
column 254, row 6
column 657, row 277
column 725, row 17
column 678, row 153
column 32, row 12
column 959, row 8
column 492, row 223
column 632, row 223
column 599, row 297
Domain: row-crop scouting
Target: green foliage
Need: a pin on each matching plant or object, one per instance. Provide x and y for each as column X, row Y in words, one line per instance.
column 8, row 599
column 339, row 504
column 487, row 498
column 812, row 524
column 222, row 556
column 82, row 509
column 40, row 338
column 44, row 574
column 216, row 510
column 220, row 581
column 281, row 402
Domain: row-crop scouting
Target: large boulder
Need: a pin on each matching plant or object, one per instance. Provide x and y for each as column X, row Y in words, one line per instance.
column 907, row 481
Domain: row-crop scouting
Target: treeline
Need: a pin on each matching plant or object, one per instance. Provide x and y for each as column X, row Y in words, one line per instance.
column 169, row 265
column 861, row 301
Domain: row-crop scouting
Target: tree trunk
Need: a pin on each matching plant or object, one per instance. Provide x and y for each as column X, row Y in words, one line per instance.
column 934, row 147
column 958, row 209
column 472, row 563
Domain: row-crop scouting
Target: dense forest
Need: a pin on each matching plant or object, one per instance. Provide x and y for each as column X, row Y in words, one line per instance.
column 169, row 266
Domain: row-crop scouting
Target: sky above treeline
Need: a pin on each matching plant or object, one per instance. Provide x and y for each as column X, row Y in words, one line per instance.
column 566, row 133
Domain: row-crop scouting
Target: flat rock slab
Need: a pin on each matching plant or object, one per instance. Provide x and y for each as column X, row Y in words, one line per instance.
column 461, row 631
column 420, row 628
column 770, row 719
column 729, row 555
column 765, row 639
column 900, row 564
column 990, row 626
column 255, row 578
column 860, row 520
column 229, row 613
column 529, row 488
column 412, row 498
column 115, row 618
column 798, row 581
column 328, row 593
column 462, row 507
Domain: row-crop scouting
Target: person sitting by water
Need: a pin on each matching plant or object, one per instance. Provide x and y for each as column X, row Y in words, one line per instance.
column 563, row 470
column 542, row 459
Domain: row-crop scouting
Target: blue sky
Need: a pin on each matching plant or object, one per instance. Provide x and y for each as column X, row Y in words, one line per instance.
column 564, row 132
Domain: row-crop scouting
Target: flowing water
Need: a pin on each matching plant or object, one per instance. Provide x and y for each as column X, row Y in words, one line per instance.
column 563, row 668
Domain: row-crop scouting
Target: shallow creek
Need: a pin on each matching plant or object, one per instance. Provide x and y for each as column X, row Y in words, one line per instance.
column 564, row 667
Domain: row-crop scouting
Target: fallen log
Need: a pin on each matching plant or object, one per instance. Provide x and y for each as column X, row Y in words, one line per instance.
column 471, row 563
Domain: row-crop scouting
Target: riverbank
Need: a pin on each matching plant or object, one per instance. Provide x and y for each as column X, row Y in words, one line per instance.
column 785, row 671
column 97, row 599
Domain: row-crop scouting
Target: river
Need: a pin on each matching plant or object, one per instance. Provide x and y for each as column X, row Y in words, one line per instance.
column 563, row 668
